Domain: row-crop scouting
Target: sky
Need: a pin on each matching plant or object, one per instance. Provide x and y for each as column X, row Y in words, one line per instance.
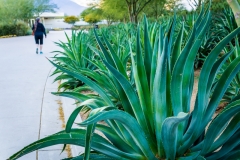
column 185, row 2
column 86, row 2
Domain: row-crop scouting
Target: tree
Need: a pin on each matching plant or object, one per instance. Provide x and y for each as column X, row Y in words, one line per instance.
column 173, row 5
column 92, row 18
column 113, row 10
column 24, row 9
column 12, row 10
column 135, row 7
column 41, row 6
column 92, row 15
column 155, row 8
column 71, row 19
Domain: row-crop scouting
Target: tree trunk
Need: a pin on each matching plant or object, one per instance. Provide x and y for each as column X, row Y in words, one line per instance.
column 236, row 10
column 109, row 22
column 134, row 9
column 135, row 14
column 130, row 12
column 133, row 17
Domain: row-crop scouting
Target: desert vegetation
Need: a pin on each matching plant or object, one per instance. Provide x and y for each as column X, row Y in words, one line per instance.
column 138, row 80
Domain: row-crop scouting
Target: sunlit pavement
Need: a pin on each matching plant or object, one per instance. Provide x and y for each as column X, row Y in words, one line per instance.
column 28, row 110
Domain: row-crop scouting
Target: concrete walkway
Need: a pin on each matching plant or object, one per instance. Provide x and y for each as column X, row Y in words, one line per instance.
column 28, row 111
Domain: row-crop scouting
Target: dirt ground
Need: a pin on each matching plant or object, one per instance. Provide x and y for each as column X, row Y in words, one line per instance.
column 195, row 88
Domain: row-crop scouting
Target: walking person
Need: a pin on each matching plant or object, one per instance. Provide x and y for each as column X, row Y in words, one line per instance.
column 39, row 30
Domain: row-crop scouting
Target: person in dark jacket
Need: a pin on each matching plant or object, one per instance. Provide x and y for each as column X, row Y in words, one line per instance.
column 39, row 30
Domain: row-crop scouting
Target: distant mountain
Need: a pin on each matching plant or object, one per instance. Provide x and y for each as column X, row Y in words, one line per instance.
column 69, row 7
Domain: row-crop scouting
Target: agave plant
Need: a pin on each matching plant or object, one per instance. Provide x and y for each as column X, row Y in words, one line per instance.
column 233, row 90
column 226, row 24
column 71, row 55
column 119, row 35
column 209, row 42
column 156, row 122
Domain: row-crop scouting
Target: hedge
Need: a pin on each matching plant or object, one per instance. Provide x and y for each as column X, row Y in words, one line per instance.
column 19, row 28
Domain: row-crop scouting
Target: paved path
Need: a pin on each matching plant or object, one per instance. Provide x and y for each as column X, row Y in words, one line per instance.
column 27, row 109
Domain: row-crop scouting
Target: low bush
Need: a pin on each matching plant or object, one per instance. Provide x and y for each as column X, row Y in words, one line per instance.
column 19, row 28
column 57, row 29
column 88, row 27
column 8, row 36
column 84, row 27
column 29, row 32
column 47, row 31
column 6, row 29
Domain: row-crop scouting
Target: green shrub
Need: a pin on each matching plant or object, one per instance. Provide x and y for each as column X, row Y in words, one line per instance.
column 83, row 27
column 29, row 32
column 57, row 29
column 156, row 122
column 71, row 19
column 7, row 29
column 47, row 31
column 19, row 28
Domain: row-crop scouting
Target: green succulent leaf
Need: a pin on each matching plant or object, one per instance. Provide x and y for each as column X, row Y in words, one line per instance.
column 92, row 103
column 74, row 95
column 221, row 87
column 190, row 156
column 169, row 134
column 177, row 47
column 115, row 58
column 156, row 52
column 159, row 97
column 104, row 50
column 194, row 130
column 130, row 123
column 115, row 139
column 76, row 137
column 134, row 101
column 229, row 146
column 92, row 84
column 62, row 77
column 89, row 132
column 218, row 124
column 148, row 51
column 230, row 129
column 93, row 156
column 141, row 82
column 232, row 155
column 177, row 76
